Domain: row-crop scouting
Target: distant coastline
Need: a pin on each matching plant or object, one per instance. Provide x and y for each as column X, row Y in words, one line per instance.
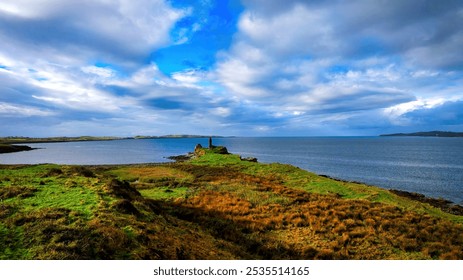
column 20, row 139
column 8, row 144
column 428, row 134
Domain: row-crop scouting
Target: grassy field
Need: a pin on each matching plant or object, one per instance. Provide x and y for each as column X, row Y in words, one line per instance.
column 212, row 207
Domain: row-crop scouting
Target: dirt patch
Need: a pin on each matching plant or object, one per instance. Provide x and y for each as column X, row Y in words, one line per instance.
column 20, row 192
column 126, row 207
column 122, row 190
column 81, row 171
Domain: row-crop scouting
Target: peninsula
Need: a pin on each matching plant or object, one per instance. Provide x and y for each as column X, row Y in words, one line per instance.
column 7, row 148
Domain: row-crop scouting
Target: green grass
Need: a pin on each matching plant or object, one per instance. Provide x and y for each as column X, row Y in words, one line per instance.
column 212, row 159
column 164, row 192
column 76, row 193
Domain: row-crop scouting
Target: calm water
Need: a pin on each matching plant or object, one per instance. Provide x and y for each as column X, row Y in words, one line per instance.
column 432, row 166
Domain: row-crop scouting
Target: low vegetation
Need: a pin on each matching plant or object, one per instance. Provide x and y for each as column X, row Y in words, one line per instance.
column 212, row 207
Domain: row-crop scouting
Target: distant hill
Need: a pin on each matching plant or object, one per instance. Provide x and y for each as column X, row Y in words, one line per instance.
column 429, row 134
column 178, row 136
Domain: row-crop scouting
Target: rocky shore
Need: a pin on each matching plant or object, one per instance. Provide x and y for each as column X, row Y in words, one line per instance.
column 443, row 204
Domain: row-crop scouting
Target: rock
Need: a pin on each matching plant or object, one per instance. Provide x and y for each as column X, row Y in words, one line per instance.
column 219, row 150
column 250, row 159
column 181, row 158
column 199, row 151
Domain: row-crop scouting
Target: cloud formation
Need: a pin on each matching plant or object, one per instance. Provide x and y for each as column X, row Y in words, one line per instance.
column 254, row 67
column 327, row 57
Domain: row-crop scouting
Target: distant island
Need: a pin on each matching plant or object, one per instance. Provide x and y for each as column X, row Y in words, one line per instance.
column 429, row 134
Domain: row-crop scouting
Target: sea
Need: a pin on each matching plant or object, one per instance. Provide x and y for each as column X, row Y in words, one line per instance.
column 432, row 166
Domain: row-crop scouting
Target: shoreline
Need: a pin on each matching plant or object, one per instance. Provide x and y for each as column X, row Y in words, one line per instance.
column 445, row 205
column 441, row 203
column 237, row 209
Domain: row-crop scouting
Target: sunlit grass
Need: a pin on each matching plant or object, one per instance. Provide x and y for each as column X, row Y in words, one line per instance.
column 149, row 173
column 164, row 192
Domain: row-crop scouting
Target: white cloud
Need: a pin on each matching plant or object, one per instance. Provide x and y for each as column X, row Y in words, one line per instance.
column 101, row 72
column 299, row 31
column 221, row 111
column 66, row 31
column 17, row 110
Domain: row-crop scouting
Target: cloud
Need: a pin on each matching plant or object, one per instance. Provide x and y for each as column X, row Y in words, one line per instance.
column 265, row 68
column 340, row 58
column 447, row 114
column 114, row 30
column 17, row 110
column 83, row 62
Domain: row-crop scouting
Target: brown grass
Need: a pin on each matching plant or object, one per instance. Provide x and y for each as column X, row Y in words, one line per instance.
column 341, row 228
column 229, row 215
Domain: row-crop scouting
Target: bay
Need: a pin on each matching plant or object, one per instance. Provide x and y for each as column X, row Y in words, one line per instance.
column 429, row 165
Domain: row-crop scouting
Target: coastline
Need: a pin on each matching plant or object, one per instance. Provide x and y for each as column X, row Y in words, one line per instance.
column 7, row 148
column 445, row 205
column 235, row 208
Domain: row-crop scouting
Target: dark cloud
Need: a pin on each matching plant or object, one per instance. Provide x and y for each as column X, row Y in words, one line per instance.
column 423, row 31
column 361, row 100
column 449, row 113
column 391, row 52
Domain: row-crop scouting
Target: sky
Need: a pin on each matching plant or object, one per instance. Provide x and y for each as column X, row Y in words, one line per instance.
column 231, row 68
